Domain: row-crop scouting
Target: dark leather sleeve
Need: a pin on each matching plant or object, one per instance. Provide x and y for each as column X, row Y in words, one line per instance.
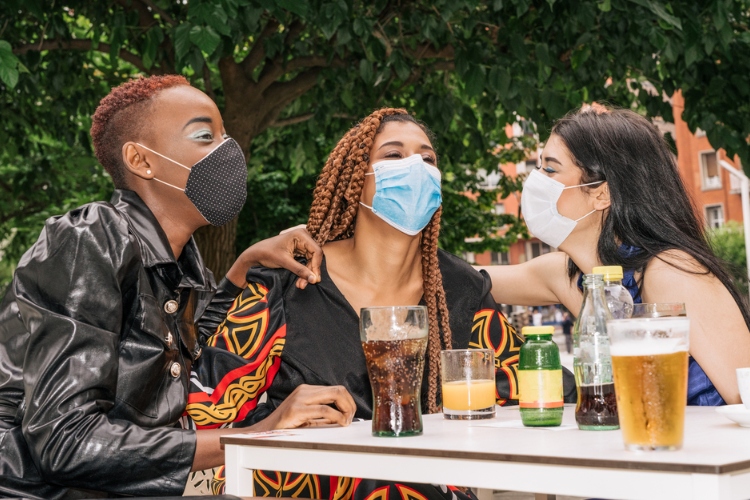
column 69, row 288
column 217, row 310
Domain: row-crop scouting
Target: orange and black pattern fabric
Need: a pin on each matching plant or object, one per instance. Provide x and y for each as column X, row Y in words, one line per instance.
column 276, row 337
column 289, row 485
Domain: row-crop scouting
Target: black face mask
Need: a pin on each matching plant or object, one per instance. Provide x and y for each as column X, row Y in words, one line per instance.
column 217, row 184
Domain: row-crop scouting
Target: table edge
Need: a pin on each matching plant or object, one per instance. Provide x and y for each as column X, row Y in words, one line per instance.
column 492, row 456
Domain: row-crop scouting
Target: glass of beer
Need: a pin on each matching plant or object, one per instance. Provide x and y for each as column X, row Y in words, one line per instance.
column 468, row 383
column 650, row 363
column 395, row 341
column 658, row 310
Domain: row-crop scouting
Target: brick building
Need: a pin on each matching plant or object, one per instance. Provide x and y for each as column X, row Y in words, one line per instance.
column 715, row 191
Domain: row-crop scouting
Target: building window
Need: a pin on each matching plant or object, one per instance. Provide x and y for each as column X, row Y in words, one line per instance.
column 499, row 258
column 735, row 184
column 470, row 257
column 488, row 180
column 714, row 216
column 710, row 170
column 525, row 167
column 537, row 248
column 499, row 208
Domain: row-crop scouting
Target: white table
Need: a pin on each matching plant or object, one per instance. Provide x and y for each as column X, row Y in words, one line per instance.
column 713, row 464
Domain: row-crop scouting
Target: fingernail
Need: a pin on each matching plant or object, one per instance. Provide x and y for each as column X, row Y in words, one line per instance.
column 312, row 278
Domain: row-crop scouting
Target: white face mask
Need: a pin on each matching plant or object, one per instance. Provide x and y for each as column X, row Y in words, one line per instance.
column 539, row 207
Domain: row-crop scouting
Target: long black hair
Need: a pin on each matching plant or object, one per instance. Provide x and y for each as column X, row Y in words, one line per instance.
column 650, row 207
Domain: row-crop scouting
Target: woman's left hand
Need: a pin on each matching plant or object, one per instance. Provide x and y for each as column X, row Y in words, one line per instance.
column 279, row 251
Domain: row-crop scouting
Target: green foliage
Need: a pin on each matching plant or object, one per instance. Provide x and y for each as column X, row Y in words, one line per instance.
column 728, row 242
column 10, row 66
column 292, row 76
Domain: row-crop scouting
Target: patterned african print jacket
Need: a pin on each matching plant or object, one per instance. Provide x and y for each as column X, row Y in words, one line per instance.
column 277, row 337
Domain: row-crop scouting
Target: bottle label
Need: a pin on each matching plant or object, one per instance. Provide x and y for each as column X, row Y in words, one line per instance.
column 540, row 388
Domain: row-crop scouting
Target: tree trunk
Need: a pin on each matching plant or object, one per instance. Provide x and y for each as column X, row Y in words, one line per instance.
column 249, row 108
column 217, row 246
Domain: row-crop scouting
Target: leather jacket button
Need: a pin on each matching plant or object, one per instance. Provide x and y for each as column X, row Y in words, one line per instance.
column 169, row 338
column 171, row 306
column 175, row 370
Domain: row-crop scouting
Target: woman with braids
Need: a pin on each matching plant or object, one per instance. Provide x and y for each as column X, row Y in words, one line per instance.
column 105, row 314
column 608, row 192
column 376, row 212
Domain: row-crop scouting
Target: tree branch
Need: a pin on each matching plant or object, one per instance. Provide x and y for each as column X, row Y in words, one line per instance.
column 162, row 13
column 292, row 120
column 145, row 17
column 280, row 94
column 295, row 29
column 258, row 53
column 274, row 70
column 5, row 186
column 207, row 82
column 57, row 44
column 24, row 212
column 427, row 51
column 379, row 33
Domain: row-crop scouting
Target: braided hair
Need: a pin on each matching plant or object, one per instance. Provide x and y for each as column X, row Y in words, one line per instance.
column 334, row 211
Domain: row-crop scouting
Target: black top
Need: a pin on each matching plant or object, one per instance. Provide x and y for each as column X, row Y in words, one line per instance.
column 97, row 338
column 277, row 337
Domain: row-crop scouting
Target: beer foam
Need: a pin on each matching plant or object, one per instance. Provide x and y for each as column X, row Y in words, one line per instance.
column 648, row 347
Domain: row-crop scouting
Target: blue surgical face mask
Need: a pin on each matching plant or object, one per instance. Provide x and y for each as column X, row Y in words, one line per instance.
column 407, row 193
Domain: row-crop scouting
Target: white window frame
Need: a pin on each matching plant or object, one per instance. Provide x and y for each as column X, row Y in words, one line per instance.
column 706, row 208
column 501, row 256
column 705, row 185
column 542, row 245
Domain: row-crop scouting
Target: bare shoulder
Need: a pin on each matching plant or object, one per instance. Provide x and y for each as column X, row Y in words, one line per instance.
column 677, row 274
column 677, row 261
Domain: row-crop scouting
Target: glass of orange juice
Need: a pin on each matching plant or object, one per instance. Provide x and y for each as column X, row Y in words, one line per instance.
column 468, row 383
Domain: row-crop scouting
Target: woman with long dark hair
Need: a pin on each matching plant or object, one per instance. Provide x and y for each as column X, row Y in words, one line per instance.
column 608, row 192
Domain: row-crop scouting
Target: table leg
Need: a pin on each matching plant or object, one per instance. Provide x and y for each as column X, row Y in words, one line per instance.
column 711, row 487
column 483, row 493
column 544, row 496
column 239, row 478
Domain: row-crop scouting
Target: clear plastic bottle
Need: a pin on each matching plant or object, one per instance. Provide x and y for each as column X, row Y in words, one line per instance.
column 592, row 363
column 540, row 386
column 619, row 300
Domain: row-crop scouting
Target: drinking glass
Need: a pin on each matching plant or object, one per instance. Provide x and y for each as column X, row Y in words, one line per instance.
column 395, row 341
column 468, row 383
column 743, row 381
column 658, row 310
column 650, row 364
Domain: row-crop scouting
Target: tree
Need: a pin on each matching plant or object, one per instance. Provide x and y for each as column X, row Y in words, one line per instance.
column 728, row 242
column 290, row 76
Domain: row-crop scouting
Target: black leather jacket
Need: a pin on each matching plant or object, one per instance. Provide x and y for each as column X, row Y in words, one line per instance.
column 98, row 334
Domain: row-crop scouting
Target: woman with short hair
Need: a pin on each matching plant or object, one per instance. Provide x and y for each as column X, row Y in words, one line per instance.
column 107, row 311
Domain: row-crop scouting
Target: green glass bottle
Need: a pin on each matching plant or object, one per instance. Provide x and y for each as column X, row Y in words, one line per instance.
column 540, row 387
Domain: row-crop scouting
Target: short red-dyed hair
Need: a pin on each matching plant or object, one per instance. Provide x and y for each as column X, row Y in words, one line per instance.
column 119, row 118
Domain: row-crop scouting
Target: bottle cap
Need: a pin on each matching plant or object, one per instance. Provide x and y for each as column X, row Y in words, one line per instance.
column 537, row 330
column 609, row 272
